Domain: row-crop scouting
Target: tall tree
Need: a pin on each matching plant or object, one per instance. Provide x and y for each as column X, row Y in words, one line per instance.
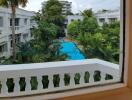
column 13, row 4
column 52, row 11
column 87, row 13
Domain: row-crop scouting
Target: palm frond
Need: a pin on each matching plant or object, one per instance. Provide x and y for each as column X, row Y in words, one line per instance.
column 23, row 3
column 4, row 3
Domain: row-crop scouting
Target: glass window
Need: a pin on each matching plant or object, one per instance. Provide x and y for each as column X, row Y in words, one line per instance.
column 102, row 20
column 92, row 51
column 17, row 22
column 25, row 21
column 112, row 19
column 3, row 48
column 1, row 21
column 25, row 36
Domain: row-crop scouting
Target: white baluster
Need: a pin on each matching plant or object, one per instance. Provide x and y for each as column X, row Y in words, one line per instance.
column 40, row 85
column 17, row 85
column 82, row 81
column 51, row 85
column 28, row 84
column 91, row 78
column 116, row 77
column 103, row 76
column 62, row 84
column 72, row 81
column 4, row 88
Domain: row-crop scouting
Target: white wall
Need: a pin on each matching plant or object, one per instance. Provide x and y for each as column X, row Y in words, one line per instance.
column 107, row 15
column 21, row 29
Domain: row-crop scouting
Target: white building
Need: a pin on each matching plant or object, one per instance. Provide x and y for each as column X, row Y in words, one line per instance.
column 107, row 16
column 71, row 18
column 66, row 7
column 23, row 25
column 101, row 16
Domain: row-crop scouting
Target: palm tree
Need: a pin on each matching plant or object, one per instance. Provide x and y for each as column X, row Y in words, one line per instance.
column 13, row 4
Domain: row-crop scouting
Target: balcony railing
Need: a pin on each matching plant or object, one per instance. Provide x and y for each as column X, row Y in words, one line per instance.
column 2, row 54
column 71, row 75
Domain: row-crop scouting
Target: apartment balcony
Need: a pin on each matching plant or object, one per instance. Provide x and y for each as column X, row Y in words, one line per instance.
column 20, row 29
column 71, row 68
column 3, row 54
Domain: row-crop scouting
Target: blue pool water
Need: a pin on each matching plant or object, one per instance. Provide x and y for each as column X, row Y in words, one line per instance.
column 71, row 50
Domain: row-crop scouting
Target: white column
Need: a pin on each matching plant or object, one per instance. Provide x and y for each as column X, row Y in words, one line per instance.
column 40, row 85
column 82, row 74
column 91, row 79
column 62, row 82
column 51, row 85
column 28, row 84
column 4, row 89
column 103, row 76
column 72, row 81
column 17, row 85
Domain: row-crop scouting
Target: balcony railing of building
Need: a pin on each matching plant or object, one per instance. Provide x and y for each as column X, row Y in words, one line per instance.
column 3, row 54
column 56, row 76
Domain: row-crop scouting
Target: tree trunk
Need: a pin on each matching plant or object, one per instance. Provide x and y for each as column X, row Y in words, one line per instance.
column 13, row 33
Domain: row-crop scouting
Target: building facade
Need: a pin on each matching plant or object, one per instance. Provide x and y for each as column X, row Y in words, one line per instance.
column 107, row 16
column 23, row 25
column 67, row 7
column 101, row 16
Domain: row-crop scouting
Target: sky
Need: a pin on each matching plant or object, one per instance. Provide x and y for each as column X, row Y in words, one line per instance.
column 78, row 5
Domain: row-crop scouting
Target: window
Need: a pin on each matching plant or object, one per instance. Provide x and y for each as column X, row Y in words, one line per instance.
column 112, row 19
column 17, row 39
column 72, row 19
column 25, row 36
column 102, row 20
column 1, row 21
column 77, row 44
column 17, row 22
column 25, row 21
column 79, row 20
column 3, row 48
column 0, row 32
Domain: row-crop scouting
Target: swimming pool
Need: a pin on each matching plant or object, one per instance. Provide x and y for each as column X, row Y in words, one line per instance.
column 71, row 50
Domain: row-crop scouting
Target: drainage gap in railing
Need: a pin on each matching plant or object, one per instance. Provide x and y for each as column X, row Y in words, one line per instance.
column 34, row 83
column 77, row 78
column 67, row 79
column 108, row 77
column 86, row 77
column 97, row 76
column 0, row 86
column 10, row 85
column 56, row 80
column 22, row 84
column 45, row 82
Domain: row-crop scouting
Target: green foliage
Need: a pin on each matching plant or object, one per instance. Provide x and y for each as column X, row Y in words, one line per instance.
column 53, row 12
column 113, row 33
column 87, row 25
column 96, row 45
column 7, row 3
column 73, row 28
column 100, row 42
column 87, row 13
